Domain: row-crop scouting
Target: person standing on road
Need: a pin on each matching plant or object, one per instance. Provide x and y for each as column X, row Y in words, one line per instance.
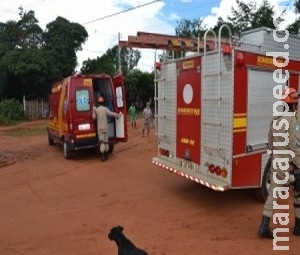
column 100, row 114
column 132, row 114
column 281, row 125
column 147, row 114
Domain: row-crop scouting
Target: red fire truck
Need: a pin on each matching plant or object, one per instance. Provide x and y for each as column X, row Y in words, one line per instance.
column 71, row 105
column 213, row 109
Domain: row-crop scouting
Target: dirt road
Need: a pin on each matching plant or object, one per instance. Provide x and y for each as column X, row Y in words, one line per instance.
column 49, row 205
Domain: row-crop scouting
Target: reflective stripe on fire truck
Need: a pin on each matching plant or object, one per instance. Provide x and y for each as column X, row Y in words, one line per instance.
column 187, row 176
column 239, row 122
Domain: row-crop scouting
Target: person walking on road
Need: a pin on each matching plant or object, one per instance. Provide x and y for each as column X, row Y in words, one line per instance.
column 100, row 114
column 147, row 114
column 286, row 164
column 132, row 114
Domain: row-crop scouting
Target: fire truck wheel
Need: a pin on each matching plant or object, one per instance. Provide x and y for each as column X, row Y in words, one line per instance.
column 263, row 192
column 110, row 148
column 50, row 139
column 67, row 150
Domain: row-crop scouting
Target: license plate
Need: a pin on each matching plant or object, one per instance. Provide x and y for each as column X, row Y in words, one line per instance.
column 84, row 126
column 188, row 165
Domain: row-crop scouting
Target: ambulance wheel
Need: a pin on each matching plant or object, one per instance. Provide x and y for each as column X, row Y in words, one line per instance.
column 67, row 150
column 263, row 192
column 110, row 148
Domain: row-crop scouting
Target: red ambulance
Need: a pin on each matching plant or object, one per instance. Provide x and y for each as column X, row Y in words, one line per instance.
column 71, row 105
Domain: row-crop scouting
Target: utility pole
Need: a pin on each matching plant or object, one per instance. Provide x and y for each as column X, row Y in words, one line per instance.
column 119, row 53
column 198, row 46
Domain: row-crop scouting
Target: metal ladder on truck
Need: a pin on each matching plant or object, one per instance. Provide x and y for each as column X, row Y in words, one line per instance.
column 211, row 92
column 159, row 80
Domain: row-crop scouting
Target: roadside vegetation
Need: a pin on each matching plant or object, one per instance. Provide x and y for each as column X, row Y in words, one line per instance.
column 11, row 112
column 24, row 132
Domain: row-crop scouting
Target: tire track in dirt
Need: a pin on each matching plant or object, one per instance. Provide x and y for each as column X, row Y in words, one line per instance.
column 11, row 157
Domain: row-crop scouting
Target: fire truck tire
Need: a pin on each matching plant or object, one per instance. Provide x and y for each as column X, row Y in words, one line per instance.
column 263, row 192
column 66, row 149
column 50, row 139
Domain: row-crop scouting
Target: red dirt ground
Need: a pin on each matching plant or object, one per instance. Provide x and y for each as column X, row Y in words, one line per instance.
column 49, row 205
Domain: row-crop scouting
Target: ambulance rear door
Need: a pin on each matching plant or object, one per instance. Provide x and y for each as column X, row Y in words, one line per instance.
column 120, row 106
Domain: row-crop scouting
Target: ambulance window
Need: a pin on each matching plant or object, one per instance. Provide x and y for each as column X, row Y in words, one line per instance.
column 119, row 94
column 82, row 100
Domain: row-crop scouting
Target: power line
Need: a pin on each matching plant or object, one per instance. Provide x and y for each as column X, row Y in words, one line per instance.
column 117, row 13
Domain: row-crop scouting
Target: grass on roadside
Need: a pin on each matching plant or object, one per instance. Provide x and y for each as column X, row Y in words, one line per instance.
column 24, row 132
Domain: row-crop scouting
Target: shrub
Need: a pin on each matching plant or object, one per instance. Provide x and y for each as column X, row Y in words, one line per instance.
column 11, row 110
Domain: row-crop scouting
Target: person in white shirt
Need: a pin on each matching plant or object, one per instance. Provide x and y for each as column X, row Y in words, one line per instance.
column 147, row 114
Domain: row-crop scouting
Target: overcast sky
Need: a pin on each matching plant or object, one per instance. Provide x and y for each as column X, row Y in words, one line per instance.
column 105, row 19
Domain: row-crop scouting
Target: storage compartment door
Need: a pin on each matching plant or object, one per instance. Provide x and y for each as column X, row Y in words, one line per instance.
column 260, row 108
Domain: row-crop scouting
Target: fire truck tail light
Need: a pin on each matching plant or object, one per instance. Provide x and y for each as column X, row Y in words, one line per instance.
column 227, row 49
column 218, row 170
column 158, row 65
column 224, row 172
column 165, row 152
column 211, row 168
column 239, row 58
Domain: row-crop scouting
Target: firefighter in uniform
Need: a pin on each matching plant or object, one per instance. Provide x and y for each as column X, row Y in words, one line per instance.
column 100, row 113
column 291, row 98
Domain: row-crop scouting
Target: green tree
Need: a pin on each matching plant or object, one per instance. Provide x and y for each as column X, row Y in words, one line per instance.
column 217, row 27
column 30, row 35
column 22, row 63
column 295, row 26
column 109, row 62
column 139, row 86
column 242, row 16
column 62, row 40
column 11, row 110
column 101, row 64
column 129, row 59
column 249, row 16
column 297, row 6
column 264, row 16
column 190, row 28
column 32, row 59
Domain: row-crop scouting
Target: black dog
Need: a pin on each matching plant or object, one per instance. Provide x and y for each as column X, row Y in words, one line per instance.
column 125, row 246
